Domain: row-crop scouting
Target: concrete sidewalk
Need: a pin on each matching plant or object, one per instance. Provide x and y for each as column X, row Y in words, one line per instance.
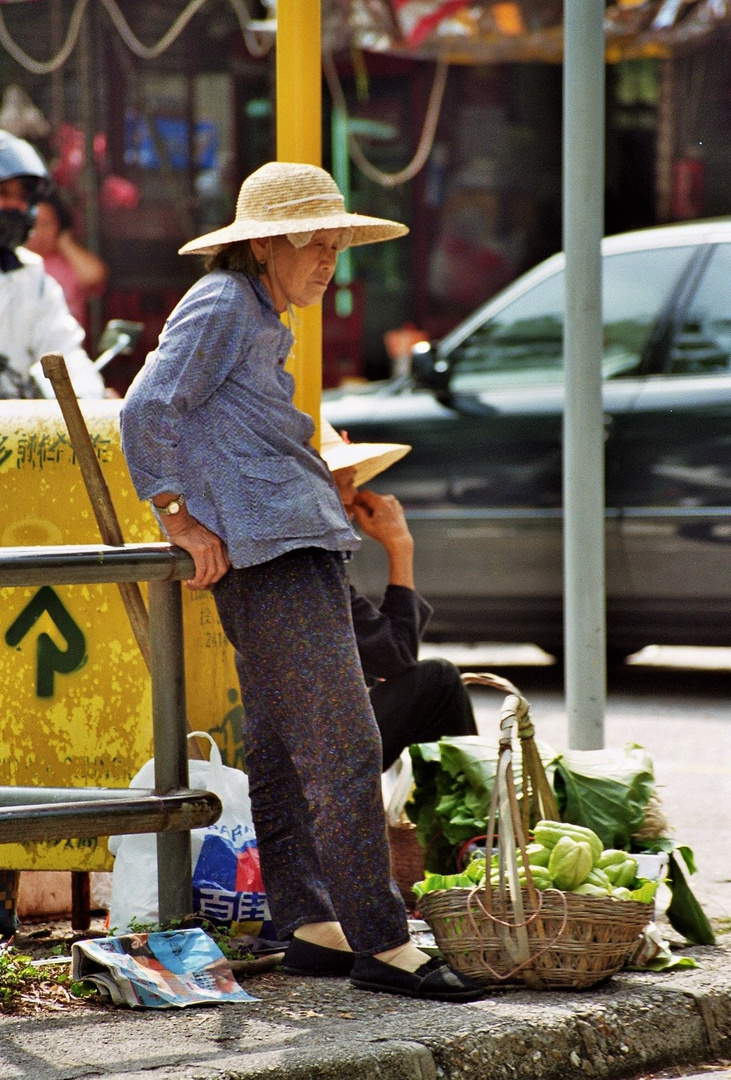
column 323, row 1029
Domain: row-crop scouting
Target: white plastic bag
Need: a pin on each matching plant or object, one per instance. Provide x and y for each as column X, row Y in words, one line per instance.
column 397, row 783
column 227, row 885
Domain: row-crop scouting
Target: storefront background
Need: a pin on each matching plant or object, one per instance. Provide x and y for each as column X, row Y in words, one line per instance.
column 176, row 135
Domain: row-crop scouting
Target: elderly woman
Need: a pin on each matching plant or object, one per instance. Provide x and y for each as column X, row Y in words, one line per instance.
column 213, row 439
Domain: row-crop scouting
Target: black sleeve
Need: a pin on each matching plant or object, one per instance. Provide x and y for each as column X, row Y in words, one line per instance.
column 388, row 638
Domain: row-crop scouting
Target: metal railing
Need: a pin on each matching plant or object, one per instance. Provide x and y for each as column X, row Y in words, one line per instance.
column 171, row 809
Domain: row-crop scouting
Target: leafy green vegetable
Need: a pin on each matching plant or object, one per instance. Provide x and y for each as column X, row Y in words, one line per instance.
column 605, row 790
column 468, row 879
column 688, row 857
column 453, row 785
column 685, row 913
column 654, row 845
column 644, row 891
column 664, row 963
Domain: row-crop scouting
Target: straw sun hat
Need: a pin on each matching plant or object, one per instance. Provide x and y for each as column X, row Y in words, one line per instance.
column 283, row 197
column 369, row 459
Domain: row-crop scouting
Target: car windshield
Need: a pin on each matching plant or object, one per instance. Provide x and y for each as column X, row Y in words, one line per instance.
column 523, row 344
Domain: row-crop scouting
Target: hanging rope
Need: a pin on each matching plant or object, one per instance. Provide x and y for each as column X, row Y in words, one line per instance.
column 257, row 45
column 150, row 52
column 428, row 133
column 41, row 67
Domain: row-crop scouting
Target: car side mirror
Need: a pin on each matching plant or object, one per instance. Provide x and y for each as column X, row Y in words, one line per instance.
column 429, row 370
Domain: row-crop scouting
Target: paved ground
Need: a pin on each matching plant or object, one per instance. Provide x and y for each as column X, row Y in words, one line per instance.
column 325, row 1030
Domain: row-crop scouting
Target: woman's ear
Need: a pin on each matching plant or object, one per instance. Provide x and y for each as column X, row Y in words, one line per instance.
column 260, row 247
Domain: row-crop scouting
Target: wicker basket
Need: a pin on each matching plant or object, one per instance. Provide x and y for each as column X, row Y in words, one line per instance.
column 407, row 855
column 407, row 860
column 573, row 941
column 509, row 934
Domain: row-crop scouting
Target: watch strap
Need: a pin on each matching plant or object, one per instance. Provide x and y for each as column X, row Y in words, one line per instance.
column 172, row 507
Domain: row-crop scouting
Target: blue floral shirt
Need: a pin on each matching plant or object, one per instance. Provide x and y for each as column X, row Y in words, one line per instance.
column 210, row 415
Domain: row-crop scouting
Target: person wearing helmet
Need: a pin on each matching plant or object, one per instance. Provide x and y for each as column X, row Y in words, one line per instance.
column 34, row 319
column 34, row 315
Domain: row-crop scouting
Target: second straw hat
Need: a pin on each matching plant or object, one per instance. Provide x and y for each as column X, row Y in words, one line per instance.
column 284, row 197
column 369, row 459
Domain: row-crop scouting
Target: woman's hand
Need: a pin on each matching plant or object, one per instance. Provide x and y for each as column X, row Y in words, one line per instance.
column 208, row 550
column 382, row 518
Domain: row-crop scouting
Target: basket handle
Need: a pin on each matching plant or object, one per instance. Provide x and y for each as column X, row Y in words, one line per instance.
column 529, row 977
column 505, row 813
column 512, row 828
column 488, row 678
column 534, row 775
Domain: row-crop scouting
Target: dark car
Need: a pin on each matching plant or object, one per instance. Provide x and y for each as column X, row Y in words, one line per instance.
column 482, row 485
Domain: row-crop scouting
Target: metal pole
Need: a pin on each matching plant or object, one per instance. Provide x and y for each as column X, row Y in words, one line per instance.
column 583, row 446
column 299, row 138
column 59, row 813
column 175, row 889
column 70, row 816
column 87, row 103
column 341, row 172
column 92, row 564
column 58, row 111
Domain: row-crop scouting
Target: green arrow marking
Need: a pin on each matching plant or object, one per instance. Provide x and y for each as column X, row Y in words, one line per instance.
column 51, row 659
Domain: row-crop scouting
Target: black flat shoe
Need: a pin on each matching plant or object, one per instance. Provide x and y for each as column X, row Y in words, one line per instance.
column 306, row 958
column 433, row 981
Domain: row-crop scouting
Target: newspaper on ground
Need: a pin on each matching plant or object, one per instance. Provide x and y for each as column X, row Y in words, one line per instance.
column 162, row 970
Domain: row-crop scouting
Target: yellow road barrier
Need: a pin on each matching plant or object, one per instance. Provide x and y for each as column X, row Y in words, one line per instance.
column 75, row 705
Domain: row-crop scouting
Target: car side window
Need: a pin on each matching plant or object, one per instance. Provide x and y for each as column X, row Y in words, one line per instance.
column 523, row 344
column 702, row 343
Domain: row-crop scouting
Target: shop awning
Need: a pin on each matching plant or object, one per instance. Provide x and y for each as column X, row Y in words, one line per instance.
column 480, row 31
column 520, row 31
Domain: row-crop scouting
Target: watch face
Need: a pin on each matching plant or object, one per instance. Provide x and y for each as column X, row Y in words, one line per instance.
column 173, row 507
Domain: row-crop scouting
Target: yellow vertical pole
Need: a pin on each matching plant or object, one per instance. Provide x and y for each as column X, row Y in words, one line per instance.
column 299, row 138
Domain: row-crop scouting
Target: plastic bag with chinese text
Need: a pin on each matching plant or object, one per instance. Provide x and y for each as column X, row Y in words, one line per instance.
column 227, row 884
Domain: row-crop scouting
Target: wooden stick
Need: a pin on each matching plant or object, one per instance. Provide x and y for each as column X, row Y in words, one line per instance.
column 54, row 368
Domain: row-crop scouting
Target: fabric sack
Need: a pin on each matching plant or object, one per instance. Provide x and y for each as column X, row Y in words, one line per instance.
column 227, row 884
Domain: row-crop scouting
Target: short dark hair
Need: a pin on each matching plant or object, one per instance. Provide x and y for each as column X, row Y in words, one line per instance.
column 60, row 207
column 238, row 256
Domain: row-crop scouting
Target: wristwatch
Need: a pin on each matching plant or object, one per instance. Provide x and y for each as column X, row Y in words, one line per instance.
column 173, row 507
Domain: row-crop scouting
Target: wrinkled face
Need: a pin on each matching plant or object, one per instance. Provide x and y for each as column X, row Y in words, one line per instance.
column 13, row 195
column 43, row 237
column 300, row 276
column 346, row 488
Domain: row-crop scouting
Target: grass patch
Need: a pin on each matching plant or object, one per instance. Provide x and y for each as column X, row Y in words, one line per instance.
column 27, row 983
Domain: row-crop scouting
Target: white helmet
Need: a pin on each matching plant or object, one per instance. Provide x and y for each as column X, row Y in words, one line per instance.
column 20, row 161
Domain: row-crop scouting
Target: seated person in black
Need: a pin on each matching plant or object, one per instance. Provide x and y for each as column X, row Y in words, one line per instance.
column 414, row 700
